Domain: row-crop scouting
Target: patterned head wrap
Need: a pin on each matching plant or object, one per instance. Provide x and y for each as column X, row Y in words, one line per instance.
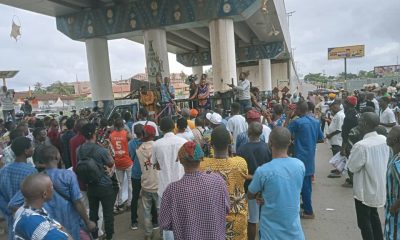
column 191, row 151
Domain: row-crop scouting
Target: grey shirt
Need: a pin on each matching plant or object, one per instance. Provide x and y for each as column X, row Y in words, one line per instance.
column 243, row 89
column 100, row 155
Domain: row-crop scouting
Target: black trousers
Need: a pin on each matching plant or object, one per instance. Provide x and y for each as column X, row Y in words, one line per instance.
column 368, row 221
column 136, row 187
column 335, row 149
column 105, row 195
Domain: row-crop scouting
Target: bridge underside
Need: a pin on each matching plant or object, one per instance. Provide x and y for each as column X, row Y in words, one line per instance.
column 231, row 35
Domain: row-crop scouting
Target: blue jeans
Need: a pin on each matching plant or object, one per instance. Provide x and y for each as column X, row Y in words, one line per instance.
column 306, row 192
column 244, row 104
column 148, row 199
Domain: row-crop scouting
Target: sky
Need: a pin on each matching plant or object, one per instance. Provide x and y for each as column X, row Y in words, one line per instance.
column 45, row 55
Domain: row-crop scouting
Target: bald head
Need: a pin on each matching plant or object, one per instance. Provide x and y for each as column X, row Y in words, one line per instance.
column 37, row 186
column 369, row 121
column 280, row 138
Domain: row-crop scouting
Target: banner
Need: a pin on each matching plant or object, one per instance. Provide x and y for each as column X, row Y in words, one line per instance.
column 387, row 71
column 346, row 52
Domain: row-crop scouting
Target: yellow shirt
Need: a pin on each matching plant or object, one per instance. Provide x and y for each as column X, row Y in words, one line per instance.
column 233, row 170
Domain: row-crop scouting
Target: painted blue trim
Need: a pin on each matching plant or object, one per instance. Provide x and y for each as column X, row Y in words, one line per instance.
column 149, row 14
column 243, row 54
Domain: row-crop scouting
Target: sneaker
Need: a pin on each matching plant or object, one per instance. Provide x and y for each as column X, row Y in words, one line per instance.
column 134, row 226
column 156, row 226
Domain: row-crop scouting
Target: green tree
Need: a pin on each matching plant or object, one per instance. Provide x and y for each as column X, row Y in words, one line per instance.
column 38, row 88
column 316, row 78
column 61, row 88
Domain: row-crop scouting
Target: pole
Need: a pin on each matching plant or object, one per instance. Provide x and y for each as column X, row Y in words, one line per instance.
column 345, row 74
column 4, row 81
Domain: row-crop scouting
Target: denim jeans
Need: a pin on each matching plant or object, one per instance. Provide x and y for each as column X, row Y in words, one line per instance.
column 106, row 196
column 244, row 104
column 148, row 200
column 121, row 175
column 306, row 193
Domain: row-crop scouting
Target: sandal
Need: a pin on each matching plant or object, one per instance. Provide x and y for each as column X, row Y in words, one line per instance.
column 307, row 216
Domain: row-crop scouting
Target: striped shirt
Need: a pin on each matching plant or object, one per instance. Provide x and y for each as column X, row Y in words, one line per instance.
column 392, row 223
column 35, row 224
column 11, row 177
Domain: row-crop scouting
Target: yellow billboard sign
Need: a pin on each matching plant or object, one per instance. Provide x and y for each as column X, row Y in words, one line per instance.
column 346, row 52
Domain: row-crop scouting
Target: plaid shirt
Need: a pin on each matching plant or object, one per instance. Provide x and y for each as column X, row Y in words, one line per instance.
column 195, row 207
column 11, row 177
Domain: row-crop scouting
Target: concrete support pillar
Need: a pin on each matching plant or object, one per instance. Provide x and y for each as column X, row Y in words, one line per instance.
column 198, row 70
column 155, row 43
column 100, row 73
column 223, row 54
column 265, row 74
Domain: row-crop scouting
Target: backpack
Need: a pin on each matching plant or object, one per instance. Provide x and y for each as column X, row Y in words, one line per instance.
column 87, row 169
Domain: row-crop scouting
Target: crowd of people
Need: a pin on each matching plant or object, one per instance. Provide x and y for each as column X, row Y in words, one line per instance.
column 205, row 175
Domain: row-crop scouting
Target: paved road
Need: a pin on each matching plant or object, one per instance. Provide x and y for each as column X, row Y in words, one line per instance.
column 339, row 223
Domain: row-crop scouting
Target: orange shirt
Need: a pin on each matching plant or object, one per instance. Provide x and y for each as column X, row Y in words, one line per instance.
column 119, row 142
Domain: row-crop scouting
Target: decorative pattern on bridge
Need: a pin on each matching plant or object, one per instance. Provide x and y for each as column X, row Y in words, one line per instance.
column 145, row 14
column 243, row 54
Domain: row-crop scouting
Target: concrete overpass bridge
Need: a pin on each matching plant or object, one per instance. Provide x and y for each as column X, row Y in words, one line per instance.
column 230, row 35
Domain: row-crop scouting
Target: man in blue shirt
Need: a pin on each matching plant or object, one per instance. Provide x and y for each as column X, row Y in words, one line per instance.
column 66, row 205
column 32, row 220
column 256, row 153
column 306, row 132
column 277, row 186
column 12, row 175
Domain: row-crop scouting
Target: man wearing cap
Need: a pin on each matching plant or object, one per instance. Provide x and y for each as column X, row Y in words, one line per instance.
column 236, row 124
column 253, row 116
column 193, row 114
column 307, row 133
column 350, row 122
column 196, row 214
column 387, row 117
column 334, row 132
column 149, row 178
column 143, row 116
column 214, row 120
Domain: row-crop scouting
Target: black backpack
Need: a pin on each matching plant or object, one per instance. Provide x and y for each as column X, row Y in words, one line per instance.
column 87, row 169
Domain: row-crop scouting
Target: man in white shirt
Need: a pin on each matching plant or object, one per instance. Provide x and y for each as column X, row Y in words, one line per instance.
column 371, row 98
column 387, row 117
column 142, row 116
column 334, row 133
column 236, row 124
column 164, row 157
column 243, row 90
column 183, row 130
column 368, row 161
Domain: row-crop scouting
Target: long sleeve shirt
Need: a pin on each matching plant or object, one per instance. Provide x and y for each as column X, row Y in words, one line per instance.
column 368, row 161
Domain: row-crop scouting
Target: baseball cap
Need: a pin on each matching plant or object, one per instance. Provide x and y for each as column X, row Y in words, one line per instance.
column 352, row 100
column 253, row 114
column 214, row 118
column 194, row 112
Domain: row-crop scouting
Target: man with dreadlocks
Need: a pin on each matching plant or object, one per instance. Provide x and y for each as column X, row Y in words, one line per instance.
column 196, row 214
